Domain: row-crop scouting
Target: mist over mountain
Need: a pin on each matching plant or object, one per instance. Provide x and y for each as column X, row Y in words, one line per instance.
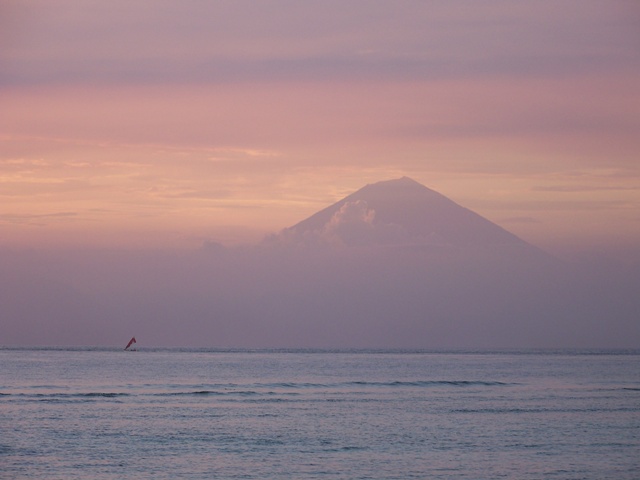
column 401, row 211
column 394, row 264
column 403, row 215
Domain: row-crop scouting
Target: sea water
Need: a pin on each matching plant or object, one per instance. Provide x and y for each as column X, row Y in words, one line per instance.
column 196, row 414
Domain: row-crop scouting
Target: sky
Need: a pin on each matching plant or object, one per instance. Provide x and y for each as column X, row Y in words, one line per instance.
column 169, row 124
column 148, row 148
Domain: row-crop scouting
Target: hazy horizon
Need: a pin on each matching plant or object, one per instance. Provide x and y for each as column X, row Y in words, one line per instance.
column 393, row 265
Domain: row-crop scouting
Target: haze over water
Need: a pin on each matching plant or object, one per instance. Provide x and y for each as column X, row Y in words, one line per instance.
column 393, row 265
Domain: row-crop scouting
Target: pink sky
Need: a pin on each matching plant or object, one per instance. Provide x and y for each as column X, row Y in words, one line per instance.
column 146, row 123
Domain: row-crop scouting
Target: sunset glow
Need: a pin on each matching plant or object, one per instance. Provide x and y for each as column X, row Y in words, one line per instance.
column 128, row 124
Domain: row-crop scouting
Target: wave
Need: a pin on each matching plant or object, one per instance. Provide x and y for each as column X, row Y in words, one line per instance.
column 520, row 410
column 67, row 395
column 367, row 383
column 243, row 390
column 282, row 387
column 244, row 393
column 432, row 383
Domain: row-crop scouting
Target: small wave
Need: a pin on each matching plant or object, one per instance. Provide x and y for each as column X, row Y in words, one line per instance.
column 279, row 388
column 433, row 383
column 5, row 449
column 513, row 410
column 107, row 395
column 275, row 389
column 66, row 395
column 517, row 410
column 294, row 385
column 289, row 388
column 244, row 393
column 393, row 383
column 85, row 395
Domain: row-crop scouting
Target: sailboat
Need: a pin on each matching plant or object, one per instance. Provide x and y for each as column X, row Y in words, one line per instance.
column 131, row 342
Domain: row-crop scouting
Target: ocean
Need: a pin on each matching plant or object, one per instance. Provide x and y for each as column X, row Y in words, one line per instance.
column 269, row 414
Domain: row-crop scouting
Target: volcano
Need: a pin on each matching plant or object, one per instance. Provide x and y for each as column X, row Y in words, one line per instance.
column 402, row 212
column 397, row 263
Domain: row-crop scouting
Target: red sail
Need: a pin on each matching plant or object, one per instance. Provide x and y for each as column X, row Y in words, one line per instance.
column 132, row 341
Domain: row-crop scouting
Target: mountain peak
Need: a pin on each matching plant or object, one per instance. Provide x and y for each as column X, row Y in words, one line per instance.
column 398, row 181
column 402, row 182
column 400, row 212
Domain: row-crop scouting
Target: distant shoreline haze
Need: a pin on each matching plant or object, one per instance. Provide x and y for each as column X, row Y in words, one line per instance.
column 393, row 265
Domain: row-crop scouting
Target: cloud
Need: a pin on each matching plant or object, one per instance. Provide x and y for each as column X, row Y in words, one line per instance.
column 35, row 219
column 197, row 194
column 520, row 220
column 277, row 40
column 583, row 188
column 354, row 224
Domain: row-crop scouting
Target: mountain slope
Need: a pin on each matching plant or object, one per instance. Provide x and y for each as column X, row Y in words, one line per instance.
column 402, row 211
